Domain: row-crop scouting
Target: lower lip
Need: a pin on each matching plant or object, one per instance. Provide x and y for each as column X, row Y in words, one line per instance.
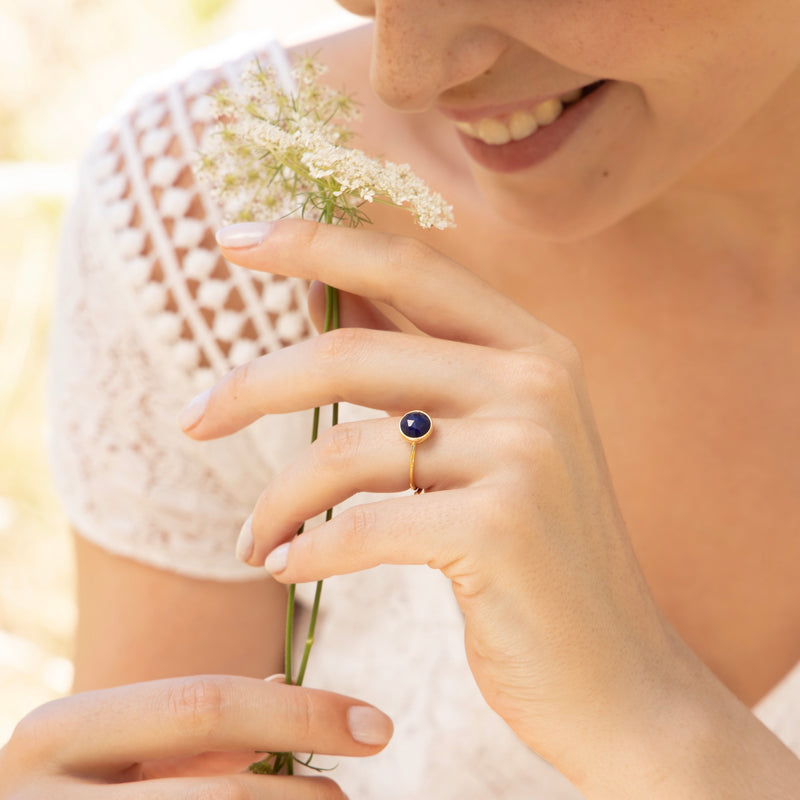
column 528, row 152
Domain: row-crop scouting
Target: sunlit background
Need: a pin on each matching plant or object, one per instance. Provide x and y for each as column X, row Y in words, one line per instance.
column 64, row 64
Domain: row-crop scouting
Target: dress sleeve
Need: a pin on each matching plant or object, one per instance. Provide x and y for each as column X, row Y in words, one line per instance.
column 148, row 314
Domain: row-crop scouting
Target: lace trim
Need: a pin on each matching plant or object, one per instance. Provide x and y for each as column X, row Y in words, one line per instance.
column 148, row 314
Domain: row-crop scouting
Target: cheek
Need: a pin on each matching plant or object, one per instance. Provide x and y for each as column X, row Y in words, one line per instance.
column 690, row 75
column 682, row 41
column 618, row 39
column 702, row 67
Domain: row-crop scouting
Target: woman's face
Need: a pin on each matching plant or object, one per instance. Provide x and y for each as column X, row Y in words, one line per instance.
column 679, row 79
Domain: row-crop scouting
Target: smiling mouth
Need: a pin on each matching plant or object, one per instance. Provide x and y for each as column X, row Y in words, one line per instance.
column 523, row 123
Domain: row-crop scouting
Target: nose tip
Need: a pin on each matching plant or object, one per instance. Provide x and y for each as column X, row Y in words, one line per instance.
column 403, row 79
column 418, row 56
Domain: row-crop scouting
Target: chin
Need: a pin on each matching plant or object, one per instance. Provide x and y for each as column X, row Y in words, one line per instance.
column 555, row 219
column 569, row 208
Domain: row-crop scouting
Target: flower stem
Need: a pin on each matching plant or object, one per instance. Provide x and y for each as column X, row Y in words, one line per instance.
column 274, row 763
column 331, row 323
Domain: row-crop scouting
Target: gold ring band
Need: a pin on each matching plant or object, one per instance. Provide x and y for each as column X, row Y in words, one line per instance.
column 416, row 489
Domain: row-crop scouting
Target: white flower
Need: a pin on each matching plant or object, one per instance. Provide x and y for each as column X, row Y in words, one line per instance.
column 276, row 154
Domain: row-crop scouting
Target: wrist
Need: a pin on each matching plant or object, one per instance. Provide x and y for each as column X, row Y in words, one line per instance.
column 685, row 735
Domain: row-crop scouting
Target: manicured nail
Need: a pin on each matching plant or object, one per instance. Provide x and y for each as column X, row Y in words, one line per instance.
column 243, row 235
column 278, row 677
column 193, row 413
column 368, row 725
column 245, row 543
column 276, row 560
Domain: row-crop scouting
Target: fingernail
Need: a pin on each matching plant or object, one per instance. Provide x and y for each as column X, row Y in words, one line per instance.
column 368, row 725
column 245, row 544
column 276, row 560
column 278, row 677
column 243, row 235
column 194, row 411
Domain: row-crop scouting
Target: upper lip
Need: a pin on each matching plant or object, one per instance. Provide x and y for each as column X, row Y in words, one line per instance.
column 461, row 114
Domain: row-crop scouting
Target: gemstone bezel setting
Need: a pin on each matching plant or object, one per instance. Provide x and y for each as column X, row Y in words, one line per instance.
column 416, row 426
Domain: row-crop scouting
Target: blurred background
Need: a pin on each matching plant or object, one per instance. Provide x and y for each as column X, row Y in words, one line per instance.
column 64, row 64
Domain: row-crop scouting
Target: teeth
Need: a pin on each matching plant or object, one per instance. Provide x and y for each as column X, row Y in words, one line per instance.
column 492, row 131
column 548, row 112
column 520, row 124
column 468, row 128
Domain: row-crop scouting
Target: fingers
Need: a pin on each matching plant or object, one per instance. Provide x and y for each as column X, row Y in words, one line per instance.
column 420, row 529
column 241, row 787
column 378, row 369
column 437, row 295
column 369, row 456
column 113, row 728
column 203, row 765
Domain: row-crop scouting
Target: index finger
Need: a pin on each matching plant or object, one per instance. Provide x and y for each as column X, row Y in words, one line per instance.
column 439, row 296
column 114, row 728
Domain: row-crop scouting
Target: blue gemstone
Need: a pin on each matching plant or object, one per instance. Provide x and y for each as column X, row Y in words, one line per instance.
column 415, row 424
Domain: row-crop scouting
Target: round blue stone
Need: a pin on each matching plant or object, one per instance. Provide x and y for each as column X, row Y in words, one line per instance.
column 415, row 425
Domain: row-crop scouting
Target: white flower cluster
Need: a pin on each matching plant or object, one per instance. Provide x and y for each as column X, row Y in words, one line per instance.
column 276, row 154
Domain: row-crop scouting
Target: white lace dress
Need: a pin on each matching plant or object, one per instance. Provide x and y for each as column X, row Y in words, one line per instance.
column 149, row 314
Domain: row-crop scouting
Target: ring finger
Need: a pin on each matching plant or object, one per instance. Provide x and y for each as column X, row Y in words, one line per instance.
column 367, row 456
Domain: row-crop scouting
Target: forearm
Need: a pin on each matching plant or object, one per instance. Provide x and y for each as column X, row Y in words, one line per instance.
column 139, row 623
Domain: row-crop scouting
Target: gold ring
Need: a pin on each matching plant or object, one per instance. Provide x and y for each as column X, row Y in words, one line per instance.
column 415, row 427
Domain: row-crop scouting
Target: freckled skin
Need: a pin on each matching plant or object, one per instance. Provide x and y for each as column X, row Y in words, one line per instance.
column 691, row 77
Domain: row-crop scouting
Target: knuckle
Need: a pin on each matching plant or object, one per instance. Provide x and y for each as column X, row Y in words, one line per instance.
column 544, row 377
column 402, row 251
column 238, row 381
column 196, row 703
column 26, row 732
column 356, row 524
column 35, row 735
column 303, row 714
column 341, row 442
column 527, row 439
column 552, row 377
column 534, row 455
column 569, row 355
column 342, row 344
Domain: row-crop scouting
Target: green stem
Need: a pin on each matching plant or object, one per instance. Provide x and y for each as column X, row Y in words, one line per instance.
column 290, row 604
column 275, row 762
column 287, row 656
column 331, row 323
column 312, row 626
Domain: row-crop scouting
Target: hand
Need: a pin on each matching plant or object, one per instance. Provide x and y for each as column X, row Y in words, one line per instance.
column 182, row 738
column 562, row 635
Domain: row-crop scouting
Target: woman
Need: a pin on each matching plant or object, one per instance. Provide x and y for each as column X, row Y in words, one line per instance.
column 610, row 282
